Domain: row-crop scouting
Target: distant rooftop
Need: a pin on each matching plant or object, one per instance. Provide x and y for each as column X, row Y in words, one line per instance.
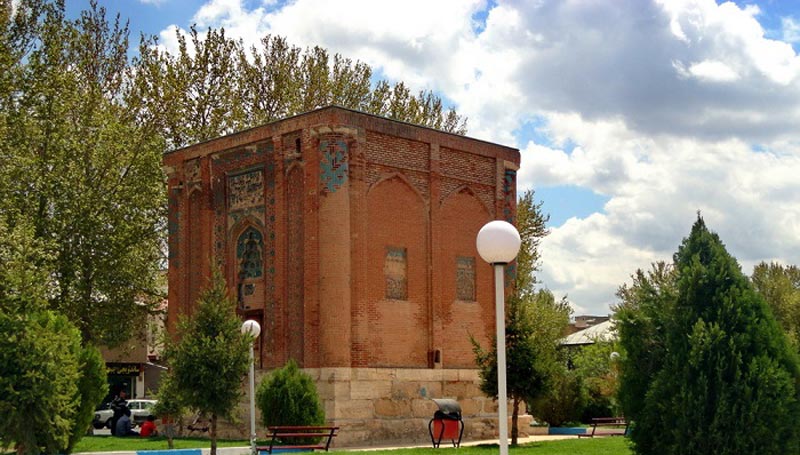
column 600, row 332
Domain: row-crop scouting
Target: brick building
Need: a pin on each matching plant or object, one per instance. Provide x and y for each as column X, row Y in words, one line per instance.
column 351, row 239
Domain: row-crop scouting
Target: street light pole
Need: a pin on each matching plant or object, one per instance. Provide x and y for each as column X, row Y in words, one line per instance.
column 253, row 329
column 500, row 316
column 498, row 243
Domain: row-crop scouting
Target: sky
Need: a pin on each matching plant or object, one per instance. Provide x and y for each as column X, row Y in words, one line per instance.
column 631, row 116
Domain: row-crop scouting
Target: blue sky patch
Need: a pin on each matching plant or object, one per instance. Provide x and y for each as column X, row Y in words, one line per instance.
column 479, row 18
column 535, row 129
column 566, row 201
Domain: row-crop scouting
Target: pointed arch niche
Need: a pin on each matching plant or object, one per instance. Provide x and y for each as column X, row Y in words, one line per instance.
column 397, row 250
column 467, row 289
column 249, row 267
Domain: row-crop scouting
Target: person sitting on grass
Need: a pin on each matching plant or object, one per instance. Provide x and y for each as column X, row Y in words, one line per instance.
column 124, row 425
column 149, row 427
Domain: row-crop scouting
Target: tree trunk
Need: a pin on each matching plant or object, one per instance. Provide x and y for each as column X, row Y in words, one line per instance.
column 169, row 431
column 514, row 422
column 213, row 434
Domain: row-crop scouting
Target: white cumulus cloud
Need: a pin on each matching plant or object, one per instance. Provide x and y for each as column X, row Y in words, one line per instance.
column 665, row 107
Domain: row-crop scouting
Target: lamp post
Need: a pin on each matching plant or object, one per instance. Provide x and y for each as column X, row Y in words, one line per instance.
column 252, row 328
column 498, row 243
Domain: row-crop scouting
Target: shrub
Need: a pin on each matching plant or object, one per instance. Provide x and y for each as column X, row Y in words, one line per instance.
column 563, row 402
column 598, row 373
column 289, row 397
column 92, row 388
column 39, row 373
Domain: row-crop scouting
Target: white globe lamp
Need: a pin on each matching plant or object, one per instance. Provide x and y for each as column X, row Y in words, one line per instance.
column 252, row 328
column 498, row 242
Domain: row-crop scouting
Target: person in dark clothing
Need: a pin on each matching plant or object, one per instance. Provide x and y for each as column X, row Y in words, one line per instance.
column 123, row 426
column 119, row 405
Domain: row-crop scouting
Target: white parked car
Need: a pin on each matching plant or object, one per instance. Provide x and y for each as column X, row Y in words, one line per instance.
column 140, row 409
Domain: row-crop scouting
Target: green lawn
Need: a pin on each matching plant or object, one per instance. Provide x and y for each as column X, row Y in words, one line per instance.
column 115, row 444
column 597, row 446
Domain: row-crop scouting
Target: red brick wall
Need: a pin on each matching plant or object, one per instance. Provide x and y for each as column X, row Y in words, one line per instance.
column 334, row 257
column 462, row 216
column 194, row 262
column 295, row 329
column 398, row 329
column 323, row 293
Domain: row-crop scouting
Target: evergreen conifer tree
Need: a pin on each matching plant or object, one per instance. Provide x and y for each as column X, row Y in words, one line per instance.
column 210, row 360
column 726, row 380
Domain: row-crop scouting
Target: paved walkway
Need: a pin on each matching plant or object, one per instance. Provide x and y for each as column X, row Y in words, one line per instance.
column 527, row 439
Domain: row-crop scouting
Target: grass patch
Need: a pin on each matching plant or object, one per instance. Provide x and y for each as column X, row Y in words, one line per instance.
column 594, row 446
column 589, row 446
column 115, row 444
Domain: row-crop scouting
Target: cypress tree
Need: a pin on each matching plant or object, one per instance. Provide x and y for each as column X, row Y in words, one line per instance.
column 210, row 360
column 727, row 381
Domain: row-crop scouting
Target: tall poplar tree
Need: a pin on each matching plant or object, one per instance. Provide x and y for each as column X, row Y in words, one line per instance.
column 78, row 167
column 213, row 86
column 707, row 368
column 780, row 287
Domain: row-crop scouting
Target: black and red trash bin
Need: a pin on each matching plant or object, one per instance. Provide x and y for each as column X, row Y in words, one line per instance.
column 446, row 423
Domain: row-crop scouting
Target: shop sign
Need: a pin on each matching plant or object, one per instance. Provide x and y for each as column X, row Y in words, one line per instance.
column 123, row 369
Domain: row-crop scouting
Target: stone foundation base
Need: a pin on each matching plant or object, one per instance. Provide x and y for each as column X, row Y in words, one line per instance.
column 388, row 406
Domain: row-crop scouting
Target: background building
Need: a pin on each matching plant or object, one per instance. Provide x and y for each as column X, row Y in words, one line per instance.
column 351, row 239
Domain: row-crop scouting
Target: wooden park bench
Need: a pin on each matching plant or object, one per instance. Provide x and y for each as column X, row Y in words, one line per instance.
column 609, row 426
column 282, row 436
column 199, row 423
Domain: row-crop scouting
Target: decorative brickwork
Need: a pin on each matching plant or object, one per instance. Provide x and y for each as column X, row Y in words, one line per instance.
column 192, row 173
column 250, row 254
column 483, row 193
column 395, row 269
column 294, row 263
column 397, row 153
column 509, row 214
column 418, row 179
column 197, row 274
column 246, row 190
column 509, row 195
column 229, row 165
column 333, row 164
column 465, row 278
column 351, row 238
column 465, row 166
column 173, row 226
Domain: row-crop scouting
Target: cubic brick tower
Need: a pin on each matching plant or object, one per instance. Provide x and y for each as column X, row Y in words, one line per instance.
column 351, row 239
